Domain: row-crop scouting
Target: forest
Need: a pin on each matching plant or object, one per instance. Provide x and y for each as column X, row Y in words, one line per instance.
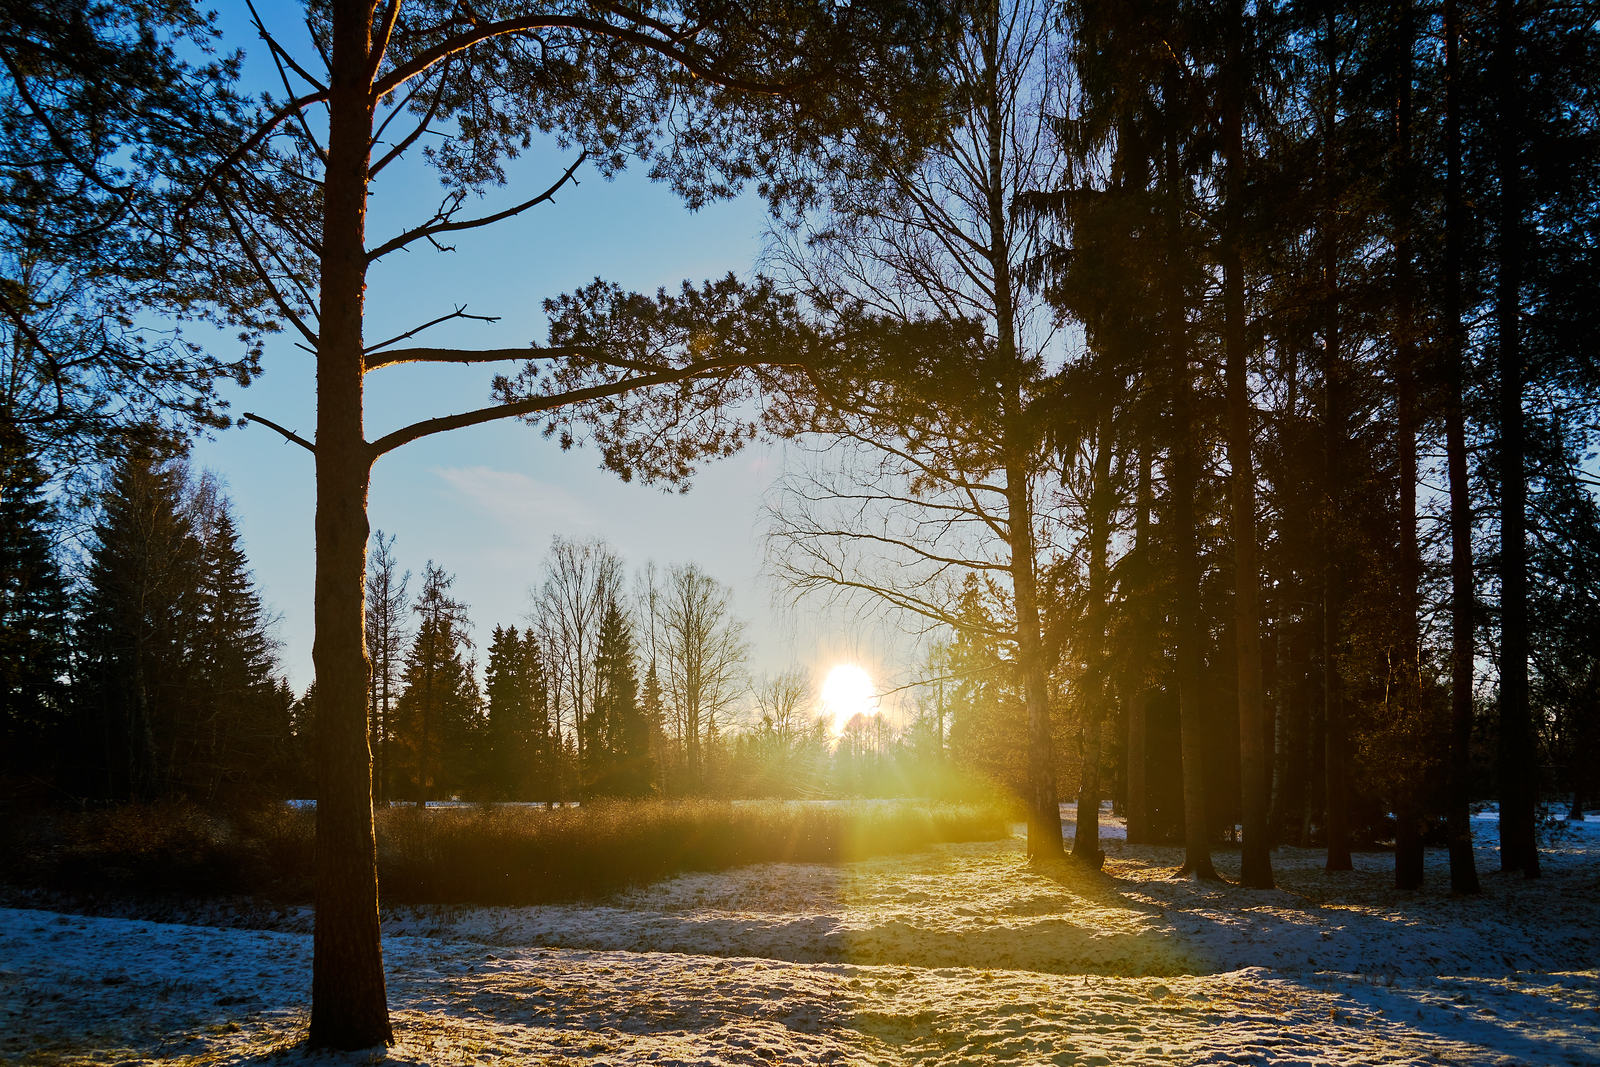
column 1208, row 389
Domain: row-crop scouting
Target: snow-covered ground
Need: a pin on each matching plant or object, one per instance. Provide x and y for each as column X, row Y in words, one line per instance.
column 960, row 955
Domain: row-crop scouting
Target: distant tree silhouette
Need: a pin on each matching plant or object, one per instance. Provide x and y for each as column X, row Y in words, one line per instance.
column 703, row 654
column 437, row 716
column 518, row 728
column 244, row 721
column 619, row 754
column 34, row 624
column 386, row 638
column 140, row 600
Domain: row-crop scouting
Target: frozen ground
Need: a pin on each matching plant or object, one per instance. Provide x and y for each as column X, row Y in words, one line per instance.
column 956, row 956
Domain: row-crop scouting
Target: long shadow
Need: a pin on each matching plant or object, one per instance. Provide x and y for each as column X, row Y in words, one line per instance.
column 1452, row 1010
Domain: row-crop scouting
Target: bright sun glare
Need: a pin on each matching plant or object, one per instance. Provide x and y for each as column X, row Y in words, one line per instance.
column 847, row 692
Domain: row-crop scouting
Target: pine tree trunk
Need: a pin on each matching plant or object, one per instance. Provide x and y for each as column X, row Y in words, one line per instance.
column 1408, row 854
column 1044, row 807
column 1086, row 840
column 1182, row 480
column 1136, row 687
column 1336, row 796
column 1254, row 774
column 349, row 1009
column 1518, row 773
column 1463, row 864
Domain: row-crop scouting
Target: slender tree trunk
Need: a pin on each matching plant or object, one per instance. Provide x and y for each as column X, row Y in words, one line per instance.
column 1336, row 796
column 1463, row 865
column 1182, row 479
column 1336, row 811
column 1044, row 806
column 349, row 1009
column 1137, row 686
column 1086, row 841
column 1518, row 772
column 1408, row 855
column 1254, row 774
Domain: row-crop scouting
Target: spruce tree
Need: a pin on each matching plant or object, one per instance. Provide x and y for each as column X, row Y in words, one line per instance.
column 34, row 638
column 242, row 731
column 438, row 711
column 619, row 750
column 386, row 637
column 518, row 715
column 138, row 635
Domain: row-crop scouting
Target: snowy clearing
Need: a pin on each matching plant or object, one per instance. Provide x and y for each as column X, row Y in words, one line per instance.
column 956, row 955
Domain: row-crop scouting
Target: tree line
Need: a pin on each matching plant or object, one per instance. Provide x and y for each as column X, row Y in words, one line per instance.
column 140, row 665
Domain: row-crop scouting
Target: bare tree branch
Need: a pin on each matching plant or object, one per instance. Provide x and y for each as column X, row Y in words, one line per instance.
column 434, row 228
column 466, row 356
column 289, row 435
column 458, row 313
column 533, row 405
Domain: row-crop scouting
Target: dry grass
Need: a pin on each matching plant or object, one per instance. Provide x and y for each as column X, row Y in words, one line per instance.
column 472, row 855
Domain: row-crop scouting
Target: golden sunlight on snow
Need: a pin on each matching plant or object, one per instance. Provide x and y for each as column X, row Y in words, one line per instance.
column 847, row 692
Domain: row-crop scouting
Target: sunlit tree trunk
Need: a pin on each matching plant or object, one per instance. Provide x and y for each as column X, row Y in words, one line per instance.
column 1086, row 841
column 349, row 1007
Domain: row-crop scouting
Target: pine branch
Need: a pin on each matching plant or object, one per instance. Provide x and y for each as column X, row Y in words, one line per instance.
column 536, row 404
column 433, row 228
column 289, row 435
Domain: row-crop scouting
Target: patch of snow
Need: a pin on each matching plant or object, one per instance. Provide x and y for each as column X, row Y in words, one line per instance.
column 962, row 954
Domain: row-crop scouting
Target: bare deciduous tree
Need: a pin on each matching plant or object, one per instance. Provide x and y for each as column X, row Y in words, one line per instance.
column 703, row 654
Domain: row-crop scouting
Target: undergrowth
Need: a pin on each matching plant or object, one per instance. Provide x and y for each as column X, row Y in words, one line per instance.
column 502, row 854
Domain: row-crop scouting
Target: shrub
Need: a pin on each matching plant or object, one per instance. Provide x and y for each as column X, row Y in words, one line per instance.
column 492, row 854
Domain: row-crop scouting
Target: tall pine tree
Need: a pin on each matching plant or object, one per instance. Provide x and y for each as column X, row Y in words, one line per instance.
column 33, row 623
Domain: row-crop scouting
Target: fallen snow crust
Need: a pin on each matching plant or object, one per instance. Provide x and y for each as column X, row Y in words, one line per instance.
column 957, row 955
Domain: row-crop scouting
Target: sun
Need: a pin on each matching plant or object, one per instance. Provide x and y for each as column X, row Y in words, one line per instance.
column 847, row 692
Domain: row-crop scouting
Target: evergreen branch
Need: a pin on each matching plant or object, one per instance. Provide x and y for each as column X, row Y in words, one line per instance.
column 667, row 48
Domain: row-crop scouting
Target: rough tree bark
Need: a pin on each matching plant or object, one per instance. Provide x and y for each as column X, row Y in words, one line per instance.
column 1408, row 816
column 1182, row 480
column 1136, row 686
column 349, row 1008
column 1463, row 866
column 1086, row 839
column 1517, row 769
column 1336, row 800
column 1254, row 770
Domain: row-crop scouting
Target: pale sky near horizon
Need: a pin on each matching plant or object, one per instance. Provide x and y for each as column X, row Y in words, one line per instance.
column 485, row 502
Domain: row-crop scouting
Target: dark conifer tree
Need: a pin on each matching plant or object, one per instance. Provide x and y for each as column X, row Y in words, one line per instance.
column 438, row 712
column 386, row 637
column 517, row 730
column 240, row 723
column 34, row 623
column 140, row 603
column 620, row 748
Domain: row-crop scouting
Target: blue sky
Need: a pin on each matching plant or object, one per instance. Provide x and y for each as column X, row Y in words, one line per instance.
column 485, row 502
